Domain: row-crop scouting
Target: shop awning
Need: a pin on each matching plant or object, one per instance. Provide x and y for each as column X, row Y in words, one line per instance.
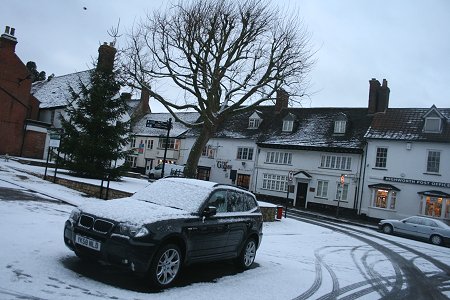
column 438, row 194
column 384, row 186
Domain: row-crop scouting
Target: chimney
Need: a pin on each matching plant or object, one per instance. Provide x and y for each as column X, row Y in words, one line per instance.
column 378, row 96
column 144, row 106
column 8, row 41
column 281, row 101
column 106, row 55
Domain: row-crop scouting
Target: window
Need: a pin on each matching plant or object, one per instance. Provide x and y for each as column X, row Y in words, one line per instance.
column 245, row 153
column 150, row 144
column 132, row 161
column 433, row 206
column 339, row 126
column 384, row 199
column 336, row 162
column 209, row 151
column 253, row 123
column 275, row 182
column 322, row 189
column 288, row 125
column 432, row 125
column 342, row 192
column 243, row 181
column 282, row 158
column 173, row 144
column 381, row 158
column 133, row 143
column 203, row 173
column 433, row 161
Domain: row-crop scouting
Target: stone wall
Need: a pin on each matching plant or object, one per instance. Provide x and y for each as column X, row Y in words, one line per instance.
column 91, row 189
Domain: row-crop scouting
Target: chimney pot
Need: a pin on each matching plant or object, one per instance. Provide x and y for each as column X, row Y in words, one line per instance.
column 7, row 29
column 13, row 30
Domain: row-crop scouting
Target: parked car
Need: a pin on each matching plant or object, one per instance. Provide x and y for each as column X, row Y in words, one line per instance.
column 171, row 223
column 433, row 230
column 169, row 170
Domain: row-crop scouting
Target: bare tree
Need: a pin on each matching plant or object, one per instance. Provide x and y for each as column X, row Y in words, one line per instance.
column 226, row 56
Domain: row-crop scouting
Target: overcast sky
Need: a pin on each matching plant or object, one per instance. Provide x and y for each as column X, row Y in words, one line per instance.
column 405, row 41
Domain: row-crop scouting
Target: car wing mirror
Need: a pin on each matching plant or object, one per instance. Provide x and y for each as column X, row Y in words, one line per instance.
column 209, row 211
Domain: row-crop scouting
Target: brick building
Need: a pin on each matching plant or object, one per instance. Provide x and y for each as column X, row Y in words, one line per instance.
column 20, row 132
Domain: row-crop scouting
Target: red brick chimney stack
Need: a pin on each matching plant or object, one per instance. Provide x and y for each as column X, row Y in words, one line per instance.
column 282, row 101
column 8, row 41
column 106, row 55
column 378, row 96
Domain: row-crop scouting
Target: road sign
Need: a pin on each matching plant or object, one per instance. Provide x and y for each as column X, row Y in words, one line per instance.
column 157, row 124
column 290, row 177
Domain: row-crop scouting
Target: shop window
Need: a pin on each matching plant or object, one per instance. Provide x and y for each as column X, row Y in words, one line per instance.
column 384, row 199
column 433, row 207
column 243, row 181
column 203, row 173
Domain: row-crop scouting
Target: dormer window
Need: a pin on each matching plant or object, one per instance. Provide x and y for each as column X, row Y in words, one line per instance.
column 254, row 120
column 339, row 126
column 432, row 125
column 340, row 123
column 253, row 123
column 433, row 120
column 288, row 123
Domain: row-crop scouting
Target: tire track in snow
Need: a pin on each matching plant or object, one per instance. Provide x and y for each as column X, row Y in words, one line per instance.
column 419, row 286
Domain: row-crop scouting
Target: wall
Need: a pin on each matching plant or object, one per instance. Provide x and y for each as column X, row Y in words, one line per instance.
column 403, row 164
column 309, row 161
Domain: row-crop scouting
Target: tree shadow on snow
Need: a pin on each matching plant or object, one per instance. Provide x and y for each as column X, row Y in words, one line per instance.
column 125, row 279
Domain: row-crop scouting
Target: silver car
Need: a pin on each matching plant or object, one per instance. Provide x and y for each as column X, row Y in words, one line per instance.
column 433, row 230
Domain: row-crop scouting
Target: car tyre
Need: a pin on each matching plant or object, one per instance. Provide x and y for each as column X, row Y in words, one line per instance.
column 165, row 266
column 248, row 254
column 436, row 240
column 151, row 176
column 387, row 228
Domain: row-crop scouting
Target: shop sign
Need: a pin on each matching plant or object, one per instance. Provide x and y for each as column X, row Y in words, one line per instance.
column 416, row 181
column 222, row 164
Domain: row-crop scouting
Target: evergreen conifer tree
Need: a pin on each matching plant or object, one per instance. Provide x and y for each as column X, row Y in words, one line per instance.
column 94, row 131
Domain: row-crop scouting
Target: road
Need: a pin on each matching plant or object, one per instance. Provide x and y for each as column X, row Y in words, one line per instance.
column 408, row 282
column 413, row 272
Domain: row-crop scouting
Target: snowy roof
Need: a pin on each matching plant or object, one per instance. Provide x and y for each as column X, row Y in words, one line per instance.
column 313, row 128
column 141, row 129
column 55, row 92
column 407, row 124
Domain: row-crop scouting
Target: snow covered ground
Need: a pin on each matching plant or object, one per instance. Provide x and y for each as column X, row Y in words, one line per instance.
column 296, row 259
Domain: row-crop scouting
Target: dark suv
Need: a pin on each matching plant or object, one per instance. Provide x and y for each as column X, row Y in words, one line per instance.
column 171, row 223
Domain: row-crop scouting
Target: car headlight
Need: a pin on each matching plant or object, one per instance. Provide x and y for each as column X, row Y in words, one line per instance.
column 132, row 230
column 75, row 215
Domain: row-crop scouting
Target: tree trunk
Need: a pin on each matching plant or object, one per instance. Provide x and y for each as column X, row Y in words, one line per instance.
column 190, row 170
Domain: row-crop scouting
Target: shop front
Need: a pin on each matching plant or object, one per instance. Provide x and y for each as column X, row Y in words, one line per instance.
column 435, row 204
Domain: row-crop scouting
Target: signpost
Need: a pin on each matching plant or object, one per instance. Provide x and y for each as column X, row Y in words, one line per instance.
column 162, row 125
column 55, row 141
column 341, row 189
column 290, row 182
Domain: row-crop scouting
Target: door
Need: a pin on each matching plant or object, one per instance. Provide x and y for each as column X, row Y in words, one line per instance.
column 302, row 189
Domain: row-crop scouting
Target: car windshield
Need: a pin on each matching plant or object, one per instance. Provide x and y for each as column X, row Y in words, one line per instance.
column 185, row 194
column 447, row 222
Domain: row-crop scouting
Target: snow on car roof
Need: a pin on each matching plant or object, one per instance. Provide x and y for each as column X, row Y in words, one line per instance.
column 182, row 193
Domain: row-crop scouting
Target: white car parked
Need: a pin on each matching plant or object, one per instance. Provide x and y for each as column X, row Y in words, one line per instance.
column 433, row 230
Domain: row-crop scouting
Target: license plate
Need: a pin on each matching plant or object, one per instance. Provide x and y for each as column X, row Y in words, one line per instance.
column 87, row 242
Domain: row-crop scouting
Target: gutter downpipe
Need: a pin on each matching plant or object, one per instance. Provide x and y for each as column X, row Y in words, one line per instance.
column 363, row 172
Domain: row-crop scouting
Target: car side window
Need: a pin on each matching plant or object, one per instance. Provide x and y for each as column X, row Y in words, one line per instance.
column 219, row 201
column 414, row 220
column 249, row 202
column 235, row 201
column 430, row 223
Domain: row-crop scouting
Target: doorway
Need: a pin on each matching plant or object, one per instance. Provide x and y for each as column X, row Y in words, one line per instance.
column 300, row 200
